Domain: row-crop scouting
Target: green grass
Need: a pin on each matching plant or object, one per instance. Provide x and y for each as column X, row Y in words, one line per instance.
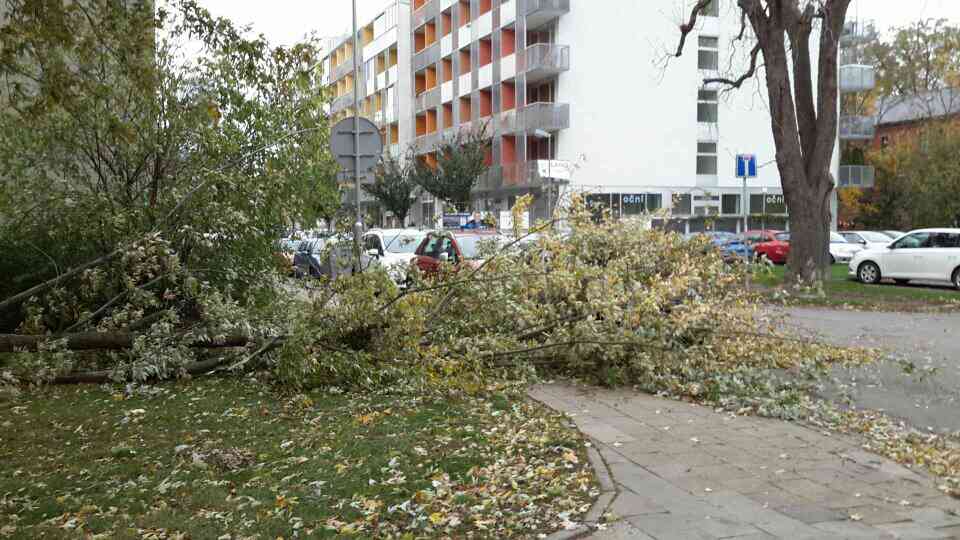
column 204, row 458
column 842, row 291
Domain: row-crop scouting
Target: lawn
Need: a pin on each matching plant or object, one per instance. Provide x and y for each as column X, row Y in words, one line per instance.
column 841, row 291
column 200, row 459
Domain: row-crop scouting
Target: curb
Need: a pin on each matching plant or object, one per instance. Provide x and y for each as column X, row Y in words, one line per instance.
column 608, row 493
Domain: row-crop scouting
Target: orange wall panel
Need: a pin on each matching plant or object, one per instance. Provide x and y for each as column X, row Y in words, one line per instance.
column 486, row 52
column 508, row 42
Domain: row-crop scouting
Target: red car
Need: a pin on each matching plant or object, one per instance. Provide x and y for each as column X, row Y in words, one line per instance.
column 776, row 249
column 458, row 248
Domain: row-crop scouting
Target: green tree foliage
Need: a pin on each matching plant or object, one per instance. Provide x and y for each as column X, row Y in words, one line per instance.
column 917, row 180
column 461, row 160
column 394, row 185
column 119, row 121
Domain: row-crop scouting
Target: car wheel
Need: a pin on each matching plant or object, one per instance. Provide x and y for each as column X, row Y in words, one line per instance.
column 901, row 281
column 869, row 273
column 956, row 278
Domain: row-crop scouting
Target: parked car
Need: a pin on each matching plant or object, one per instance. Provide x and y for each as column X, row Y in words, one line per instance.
column 776, row 250
column 305, row 259
column 893, row 234
column 457, row 248
column 841, row 251
column 867, row 239
column 393, row 249
column 732, row 247
column 754, row 237
column 925, row 254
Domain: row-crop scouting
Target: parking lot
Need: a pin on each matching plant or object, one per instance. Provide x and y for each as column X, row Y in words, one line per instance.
column 918, row 379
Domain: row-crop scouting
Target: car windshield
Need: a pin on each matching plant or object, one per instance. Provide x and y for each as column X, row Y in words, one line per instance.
column 875, row 237
column 837, row 239
column 402, row 243
column 470, row 245
column 783, row 237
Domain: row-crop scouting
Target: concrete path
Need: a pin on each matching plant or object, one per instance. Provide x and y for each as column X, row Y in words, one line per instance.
column 919, row 381
column 683, row 471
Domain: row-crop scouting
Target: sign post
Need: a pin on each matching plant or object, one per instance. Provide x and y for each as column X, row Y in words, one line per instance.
column 746, row 168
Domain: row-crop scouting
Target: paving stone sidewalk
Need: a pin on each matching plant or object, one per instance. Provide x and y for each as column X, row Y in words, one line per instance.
column 682, row 471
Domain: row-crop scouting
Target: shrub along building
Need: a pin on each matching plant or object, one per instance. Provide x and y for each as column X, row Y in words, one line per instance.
column 575, row 97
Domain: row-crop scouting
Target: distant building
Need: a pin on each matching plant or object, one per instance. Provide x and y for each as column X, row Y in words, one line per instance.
column 906, row 116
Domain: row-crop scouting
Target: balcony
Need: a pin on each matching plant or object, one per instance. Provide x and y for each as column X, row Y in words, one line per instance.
column 539, row 12
column 857, row 78
column 427, row 57
column 544, row 60
column 856, row 176
column 521, row 175
column 343, row 69
column 858, row 32
column 545, row 116
column 342, row 102
column 857, row 128
column 426, row 11
column 429, row 99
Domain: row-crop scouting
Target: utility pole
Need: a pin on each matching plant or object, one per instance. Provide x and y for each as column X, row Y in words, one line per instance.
column 358, row 225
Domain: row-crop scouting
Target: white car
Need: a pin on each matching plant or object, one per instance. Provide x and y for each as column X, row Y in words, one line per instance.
column 925, row 254
column 393, row 249
column 866, row 239
column 841, row 250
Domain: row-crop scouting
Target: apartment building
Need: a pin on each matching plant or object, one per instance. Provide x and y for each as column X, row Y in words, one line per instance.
column 583, row 96
column 384, row 80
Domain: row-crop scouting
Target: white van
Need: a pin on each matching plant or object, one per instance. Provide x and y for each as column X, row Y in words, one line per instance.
column 925, row 255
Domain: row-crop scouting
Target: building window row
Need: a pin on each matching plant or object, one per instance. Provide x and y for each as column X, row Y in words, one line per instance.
column 708, row 54
column 706, row 158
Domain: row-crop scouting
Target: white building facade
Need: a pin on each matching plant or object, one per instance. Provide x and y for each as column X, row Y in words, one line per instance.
column 577, row 95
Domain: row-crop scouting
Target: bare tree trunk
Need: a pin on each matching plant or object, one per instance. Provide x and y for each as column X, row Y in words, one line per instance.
column 103, row 341
column 809, row 260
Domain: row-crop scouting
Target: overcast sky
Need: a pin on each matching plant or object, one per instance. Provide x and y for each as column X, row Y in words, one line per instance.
column 286, row 21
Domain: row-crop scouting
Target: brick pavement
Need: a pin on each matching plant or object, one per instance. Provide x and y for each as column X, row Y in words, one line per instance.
column 683, row 471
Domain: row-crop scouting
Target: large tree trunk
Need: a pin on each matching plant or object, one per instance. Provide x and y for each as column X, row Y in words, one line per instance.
column 810, row 221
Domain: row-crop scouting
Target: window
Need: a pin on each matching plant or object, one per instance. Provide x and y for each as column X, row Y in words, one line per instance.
column 712, row 9
column 368, row 70
column 682, row 205
column 707, row 158
column 730, row 204
column 707, row 106
column 709, row 53
column 915, row 240
column 372, row 243
column 654, row 202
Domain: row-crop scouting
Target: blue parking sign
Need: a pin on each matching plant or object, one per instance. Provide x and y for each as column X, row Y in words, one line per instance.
column 746, row 166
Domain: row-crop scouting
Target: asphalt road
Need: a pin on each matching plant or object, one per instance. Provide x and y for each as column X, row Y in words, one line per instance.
column 918, row 380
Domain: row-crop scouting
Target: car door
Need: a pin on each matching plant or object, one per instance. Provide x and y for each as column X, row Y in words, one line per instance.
column 944, row 257
column 371, row 244
column 905, row 259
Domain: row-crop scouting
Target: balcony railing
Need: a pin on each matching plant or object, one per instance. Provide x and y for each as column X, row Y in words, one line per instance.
column 342, row 102
column 544, row 60
column 343, row 68
column 857, row 128
column 858, row 32
column 545, row 116
column 427, row 11
column 428, row 56
column 512, row 176
column 856, row 176
column 429, row 99
column 857, row 78
column 539, row 12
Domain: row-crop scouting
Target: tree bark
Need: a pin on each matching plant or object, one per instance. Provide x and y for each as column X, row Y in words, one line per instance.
column 103, row 341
